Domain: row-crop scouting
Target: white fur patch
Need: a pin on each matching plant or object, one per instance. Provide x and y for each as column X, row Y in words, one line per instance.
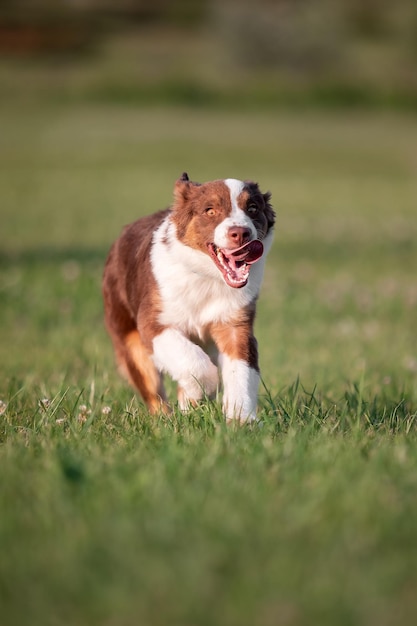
column 237, row 217
column 186, row 363
column 240, row 382
column 235, row 187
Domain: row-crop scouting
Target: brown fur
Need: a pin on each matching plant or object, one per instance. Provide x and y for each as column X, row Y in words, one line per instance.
column 236, row 339
column 128, row 281
column 194, row 224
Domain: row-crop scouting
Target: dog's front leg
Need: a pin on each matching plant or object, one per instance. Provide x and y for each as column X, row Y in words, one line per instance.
column 187, row 364
column 240, row 389
column 238, row 361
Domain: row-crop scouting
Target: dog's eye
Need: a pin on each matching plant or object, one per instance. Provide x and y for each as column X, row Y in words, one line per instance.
column 210, row 211
column 252, row 209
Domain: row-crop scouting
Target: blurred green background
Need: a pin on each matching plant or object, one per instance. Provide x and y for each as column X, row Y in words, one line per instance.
column 104, row 104
column 342, row 53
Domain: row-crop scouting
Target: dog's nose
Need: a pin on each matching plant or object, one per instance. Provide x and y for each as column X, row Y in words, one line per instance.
column 238, row 235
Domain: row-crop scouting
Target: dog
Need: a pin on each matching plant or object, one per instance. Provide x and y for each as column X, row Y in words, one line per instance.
column 180, row 290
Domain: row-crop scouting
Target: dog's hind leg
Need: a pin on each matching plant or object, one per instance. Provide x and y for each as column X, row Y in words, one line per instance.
column 133, row 358
column 135, row 361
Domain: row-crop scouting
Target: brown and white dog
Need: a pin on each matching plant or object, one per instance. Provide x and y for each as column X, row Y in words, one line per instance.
column 189, row 277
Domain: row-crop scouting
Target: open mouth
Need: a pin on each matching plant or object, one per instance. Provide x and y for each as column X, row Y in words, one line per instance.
column 235, row 264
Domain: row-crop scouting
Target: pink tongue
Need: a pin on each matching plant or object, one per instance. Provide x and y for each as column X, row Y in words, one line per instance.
column 249, row 252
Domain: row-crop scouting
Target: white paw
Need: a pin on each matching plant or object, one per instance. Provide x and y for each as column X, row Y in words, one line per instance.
column 197, row 384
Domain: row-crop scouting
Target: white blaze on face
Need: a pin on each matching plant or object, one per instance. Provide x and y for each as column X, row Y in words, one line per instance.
column 235, row 189
column 237, row 216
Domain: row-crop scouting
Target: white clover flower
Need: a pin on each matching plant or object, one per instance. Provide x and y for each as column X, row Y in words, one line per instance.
column 3, row 407
column 106, row 410
column 84, row 411
column 44, row 404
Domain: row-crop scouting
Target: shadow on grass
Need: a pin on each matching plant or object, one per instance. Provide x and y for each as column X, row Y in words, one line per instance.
column 51, row 255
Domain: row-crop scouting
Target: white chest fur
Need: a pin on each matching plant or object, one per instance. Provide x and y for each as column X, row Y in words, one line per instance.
column 192, row 289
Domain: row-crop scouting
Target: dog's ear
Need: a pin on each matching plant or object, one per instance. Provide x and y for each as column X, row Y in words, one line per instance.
column 183, row 205
column 183, row 188
column 269, row 211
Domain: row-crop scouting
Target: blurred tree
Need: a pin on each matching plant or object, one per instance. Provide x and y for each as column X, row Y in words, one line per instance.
column 44, row 26
column 367, row 43
column 161, row 10
column 291, row 33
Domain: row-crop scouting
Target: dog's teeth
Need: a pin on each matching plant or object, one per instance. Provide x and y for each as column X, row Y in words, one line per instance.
column 220, row 256
column 237, row 275
column 238, row 281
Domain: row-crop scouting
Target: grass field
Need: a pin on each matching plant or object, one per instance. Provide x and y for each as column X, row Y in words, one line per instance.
column 110, row 517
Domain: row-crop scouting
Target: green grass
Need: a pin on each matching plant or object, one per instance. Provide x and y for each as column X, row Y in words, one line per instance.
column 109, row 516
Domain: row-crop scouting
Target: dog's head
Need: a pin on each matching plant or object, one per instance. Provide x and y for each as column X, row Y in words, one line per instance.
column 226, row 219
